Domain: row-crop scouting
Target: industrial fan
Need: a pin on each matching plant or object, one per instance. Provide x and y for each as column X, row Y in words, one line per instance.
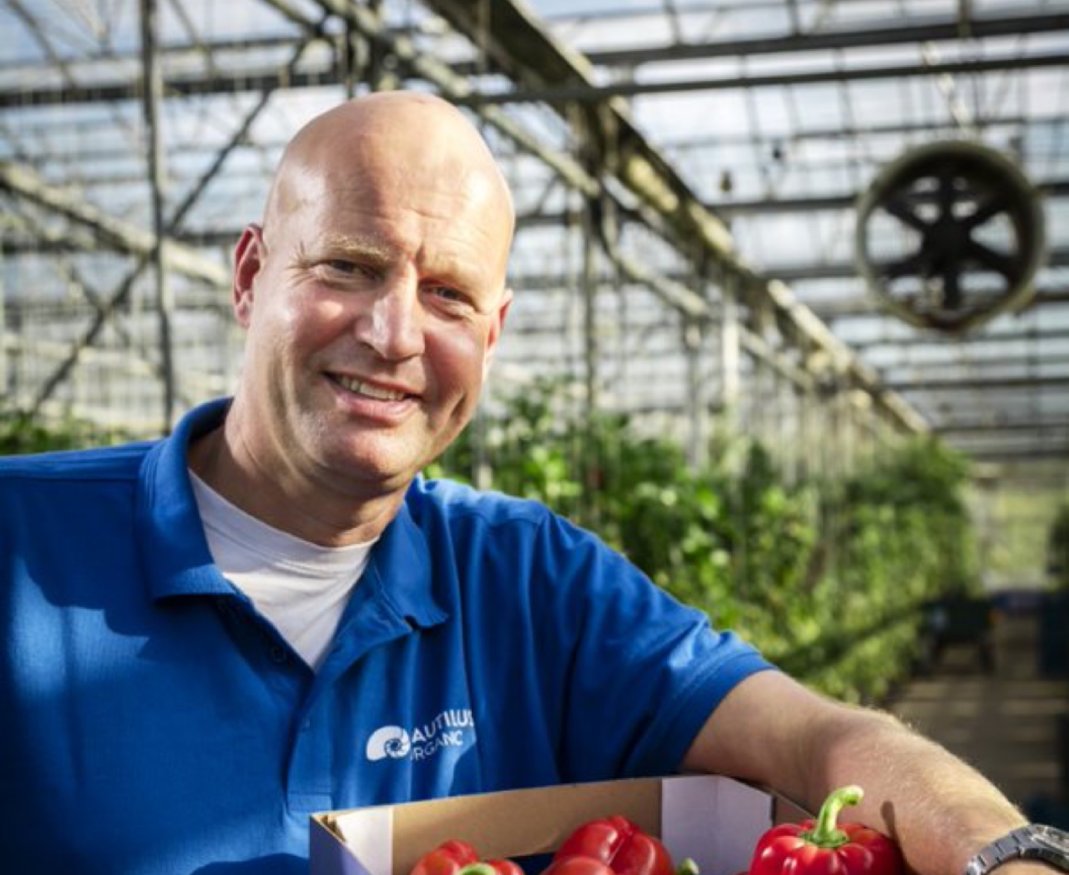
column 949, row 235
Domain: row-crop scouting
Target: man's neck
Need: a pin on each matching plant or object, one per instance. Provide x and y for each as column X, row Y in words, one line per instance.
column 319, row 513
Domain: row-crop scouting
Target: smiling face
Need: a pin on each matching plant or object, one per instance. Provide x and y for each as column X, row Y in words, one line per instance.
column 372, row 297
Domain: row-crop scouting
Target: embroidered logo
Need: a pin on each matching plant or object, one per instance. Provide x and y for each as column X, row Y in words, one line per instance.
column 452, row 728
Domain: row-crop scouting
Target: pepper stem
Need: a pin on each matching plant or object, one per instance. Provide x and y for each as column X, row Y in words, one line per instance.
column 825, row 832
column 687, row 867
column 480, row 868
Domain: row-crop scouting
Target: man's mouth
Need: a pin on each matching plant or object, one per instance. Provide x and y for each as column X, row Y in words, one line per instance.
column 369, row 390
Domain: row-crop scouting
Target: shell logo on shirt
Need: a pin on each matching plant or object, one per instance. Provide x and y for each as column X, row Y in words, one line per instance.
column 452, row 728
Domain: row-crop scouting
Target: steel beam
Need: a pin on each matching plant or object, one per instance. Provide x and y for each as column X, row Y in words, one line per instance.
column 987, row 384
column 931, row 30
column 766, row 206
column 589, row 92
column 615, row 12
column 920, row 341
column 25, row 183
column 933, row 126
column 236, row 82
column 840, row 200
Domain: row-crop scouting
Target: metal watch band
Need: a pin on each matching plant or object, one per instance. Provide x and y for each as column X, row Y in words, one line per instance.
column 1030, row 842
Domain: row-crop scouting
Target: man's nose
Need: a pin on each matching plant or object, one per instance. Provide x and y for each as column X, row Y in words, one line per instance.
column 392, row 324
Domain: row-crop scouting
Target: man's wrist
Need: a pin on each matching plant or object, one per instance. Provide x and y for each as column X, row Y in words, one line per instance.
column 1029, row 850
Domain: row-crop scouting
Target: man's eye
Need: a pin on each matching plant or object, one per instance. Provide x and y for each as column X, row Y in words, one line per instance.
column 340, row 265
column 447, row 293
column 344, row 269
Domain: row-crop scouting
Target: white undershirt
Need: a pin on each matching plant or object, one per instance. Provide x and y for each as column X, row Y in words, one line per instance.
column 301, row 587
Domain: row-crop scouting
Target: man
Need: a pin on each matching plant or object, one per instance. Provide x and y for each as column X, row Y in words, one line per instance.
column 209, row 638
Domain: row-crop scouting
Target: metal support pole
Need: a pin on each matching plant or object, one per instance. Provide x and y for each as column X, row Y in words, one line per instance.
column 591, row 355
column 354, row 51
column 729, row 355
column 828, row 440
column 810, row 467
column 786, row 443
column 590, row 297
column 698, row 410
column 153, row 91
column 381, row 71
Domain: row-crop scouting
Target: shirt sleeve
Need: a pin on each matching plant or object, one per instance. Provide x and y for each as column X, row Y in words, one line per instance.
column 643, row 671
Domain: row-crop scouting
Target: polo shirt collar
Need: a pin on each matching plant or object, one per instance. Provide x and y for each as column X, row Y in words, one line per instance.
column 174, row 549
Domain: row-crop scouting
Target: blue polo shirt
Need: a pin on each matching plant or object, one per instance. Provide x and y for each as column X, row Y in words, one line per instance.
column 151, row 721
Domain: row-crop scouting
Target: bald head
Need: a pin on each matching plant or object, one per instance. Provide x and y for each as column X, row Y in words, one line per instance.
column 393, row 134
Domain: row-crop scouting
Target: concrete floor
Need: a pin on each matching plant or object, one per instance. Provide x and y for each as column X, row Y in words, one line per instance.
column 1005, row 722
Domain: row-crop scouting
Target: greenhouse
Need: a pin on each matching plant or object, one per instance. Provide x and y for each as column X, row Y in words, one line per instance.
column 790, row 316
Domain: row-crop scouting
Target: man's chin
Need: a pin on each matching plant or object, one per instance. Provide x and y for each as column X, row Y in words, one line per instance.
column 383, row 473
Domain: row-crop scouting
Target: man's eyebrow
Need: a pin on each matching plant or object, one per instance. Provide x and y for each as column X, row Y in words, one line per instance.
column 377, row 254
column 364, row 248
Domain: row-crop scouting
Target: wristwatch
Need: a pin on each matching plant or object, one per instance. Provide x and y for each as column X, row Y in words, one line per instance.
column 1044, row 844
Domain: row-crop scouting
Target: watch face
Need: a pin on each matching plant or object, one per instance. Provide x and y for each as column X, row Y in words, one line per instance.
column 1048, row 836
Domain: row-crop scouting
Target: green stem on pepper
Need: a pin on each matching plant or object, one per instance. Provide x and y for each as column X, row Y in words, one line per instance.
column 479, row 868
column 825, row 832
column 687, row 867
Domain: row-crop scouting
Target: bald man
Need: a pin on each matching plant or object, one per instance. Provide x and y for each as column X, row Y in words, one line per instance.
column 271, row 613
column 373, row 297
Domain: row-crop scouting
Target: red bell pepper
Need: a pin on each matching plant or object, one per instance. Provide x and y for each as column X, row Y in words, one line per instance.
column 578, row 866
column 455, row 857
column 613, row 846
column 824, row 847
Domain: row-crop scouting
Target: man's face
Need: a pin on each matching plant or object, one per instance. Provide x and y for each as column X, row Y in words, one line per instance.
column 374, row 297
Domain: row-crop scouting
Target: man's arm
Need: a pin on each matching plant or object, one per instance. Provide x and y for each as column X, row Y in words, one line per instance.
column 774, row 731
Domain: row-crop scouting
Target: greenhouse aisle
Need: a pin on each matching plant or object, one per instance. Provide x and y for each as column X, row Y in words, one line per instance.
column 1010, row 722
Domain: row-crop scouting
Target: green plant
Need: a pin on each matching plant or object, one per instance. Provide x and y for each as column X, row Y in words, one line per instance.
column 20, row 434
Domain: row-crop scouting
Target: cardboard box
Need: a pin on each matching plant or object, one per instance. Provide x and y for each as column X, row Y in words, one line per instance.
column 714, row 820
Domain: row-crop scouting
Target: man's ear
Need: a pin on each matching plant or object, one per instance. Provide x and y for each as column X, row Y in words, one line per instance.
column 248, row 260
column 496, row 329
